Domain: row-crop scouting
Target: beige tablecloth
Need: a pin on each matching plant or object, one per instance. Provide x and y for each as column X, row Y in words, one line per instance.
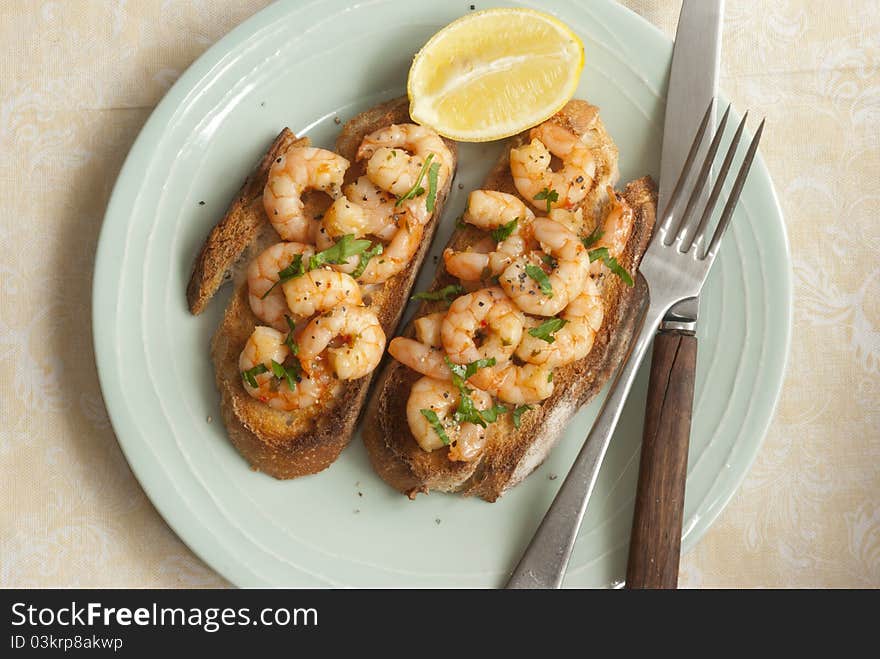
column 78, row 78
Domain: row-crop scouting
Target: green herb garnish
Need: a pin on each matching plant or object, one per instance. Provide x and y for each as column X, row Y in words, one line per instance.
column 550, row 376
column 461, row 372
column 417, row 188
column 345, row 248
column 288, row 340
column 517, row 414
column 434, row 420
column 282, row 373
column 547, row 329
column 541, row 277
column 594, row 236
column 611, row 263
column 491, row 415
column 504, row 231
column 548, row 194
column 433, row 172
column 295, row 269
column 251, row 374
column 375, row 250
column 549, row 261
column 460, row 223
column 467, row 412
column 445, row 294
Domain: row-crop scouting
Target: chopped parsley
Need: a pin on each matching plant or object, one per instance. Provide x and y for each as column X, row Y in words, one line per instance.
column 290, row 373
column 549, row 195
column 547, row 329
column 504, row 231
column 611, row 263
column 594, row 236
column 345, row 248
column 295, row 269
column 549, row 261
column 366, row 255
column 541, row 277
column 251, row 374
column 288, row 340
column 434, row 420
column 490, row 415
column 417, row 188
column 467, row 412
column 446, row 294
column 517, row 415
column 433, row 172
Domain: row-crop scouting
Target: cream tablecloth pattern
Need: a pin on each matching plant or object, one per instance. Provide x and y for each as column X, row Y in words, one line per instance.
column 78, row 78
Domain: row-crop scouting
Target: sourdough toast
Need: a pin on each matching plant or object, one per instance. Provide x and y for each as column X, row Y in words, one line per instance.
column 511, row 453
column 292, row 444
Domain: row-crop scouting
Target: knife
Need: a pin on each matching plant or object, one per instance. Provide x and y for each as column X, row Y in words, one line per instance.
column 655, row 543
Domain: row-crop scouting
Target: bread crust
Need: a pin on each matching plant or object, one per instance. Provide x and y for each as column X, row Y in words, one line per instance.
column 511, row 454
column 291, row 444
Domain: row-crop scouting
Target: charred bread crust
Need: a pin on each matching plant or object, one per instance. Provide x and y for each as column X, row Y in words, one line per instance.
column 238, row 229
column 291, row 444
column 511, row 454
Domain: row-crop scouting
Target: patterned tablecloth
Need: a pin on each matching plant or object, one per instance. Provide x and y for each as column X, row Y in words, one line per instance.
column 77, row 81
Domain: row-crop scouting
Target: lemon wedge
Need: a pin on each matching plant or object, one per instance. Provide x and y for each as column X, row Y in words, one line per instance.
column 494, row 73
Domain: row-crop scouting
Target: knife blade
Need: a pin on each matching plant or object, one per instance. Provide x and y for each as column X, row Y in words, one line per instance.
column 693, row 80
column 655, row 543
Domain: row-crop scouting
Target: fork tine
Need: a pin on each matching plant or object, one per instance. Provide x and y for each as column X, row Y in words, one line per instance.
column 685, row 222
column 699, row 234
column 685, row 170
column 735, row 192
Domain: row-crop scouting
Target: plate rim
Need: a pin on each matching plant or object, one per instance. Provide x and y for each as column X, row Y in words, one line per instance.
column 165, row 109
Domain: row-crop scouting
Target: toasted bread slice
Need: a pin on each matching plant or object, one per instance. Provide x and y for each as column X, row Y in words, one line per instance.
column 511, row 453
column 291, row 444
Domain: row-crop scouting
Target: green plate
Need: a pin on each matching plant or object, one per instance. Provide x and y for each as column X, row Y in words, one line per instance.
column 301, row 65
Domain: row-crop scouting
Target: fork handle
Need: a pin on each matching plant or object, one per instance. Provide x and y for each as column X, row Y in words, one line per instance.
column 655, row 544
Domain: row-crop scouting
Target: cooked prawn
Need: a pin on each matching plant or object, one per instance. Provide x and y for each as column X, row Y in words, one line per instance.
column 392, row 168
column 300, row 169
column 396, row 255
column 575, row 339
column 264, row 346
column 420, row 357
column 428, row 328
column 616, row 230
column 512, row 383
column 360, row 337
column 365, row 210
column 566, row 272
column 266, row 299
column 489, row 209
column 320, row 290
column 466, row 440
column 532, row 175
column 481, row 325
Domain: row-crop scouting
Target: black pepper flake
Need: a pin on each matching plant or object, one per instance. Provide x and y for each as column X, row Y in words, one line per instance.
column 461, row 186
column 337, row 120
column 278, row 160
column 201, row 203
column 473, row 7
column 437, row 521
column 580, row 179
column 552, row 477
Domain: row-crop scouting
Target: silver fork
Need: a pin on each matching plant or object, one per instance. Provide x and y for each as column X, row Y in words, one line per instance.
column 675, row 267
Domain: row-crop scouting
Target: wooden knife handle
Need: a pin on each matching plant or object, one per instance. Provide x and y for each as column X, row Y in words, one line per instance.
column 656, row 533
